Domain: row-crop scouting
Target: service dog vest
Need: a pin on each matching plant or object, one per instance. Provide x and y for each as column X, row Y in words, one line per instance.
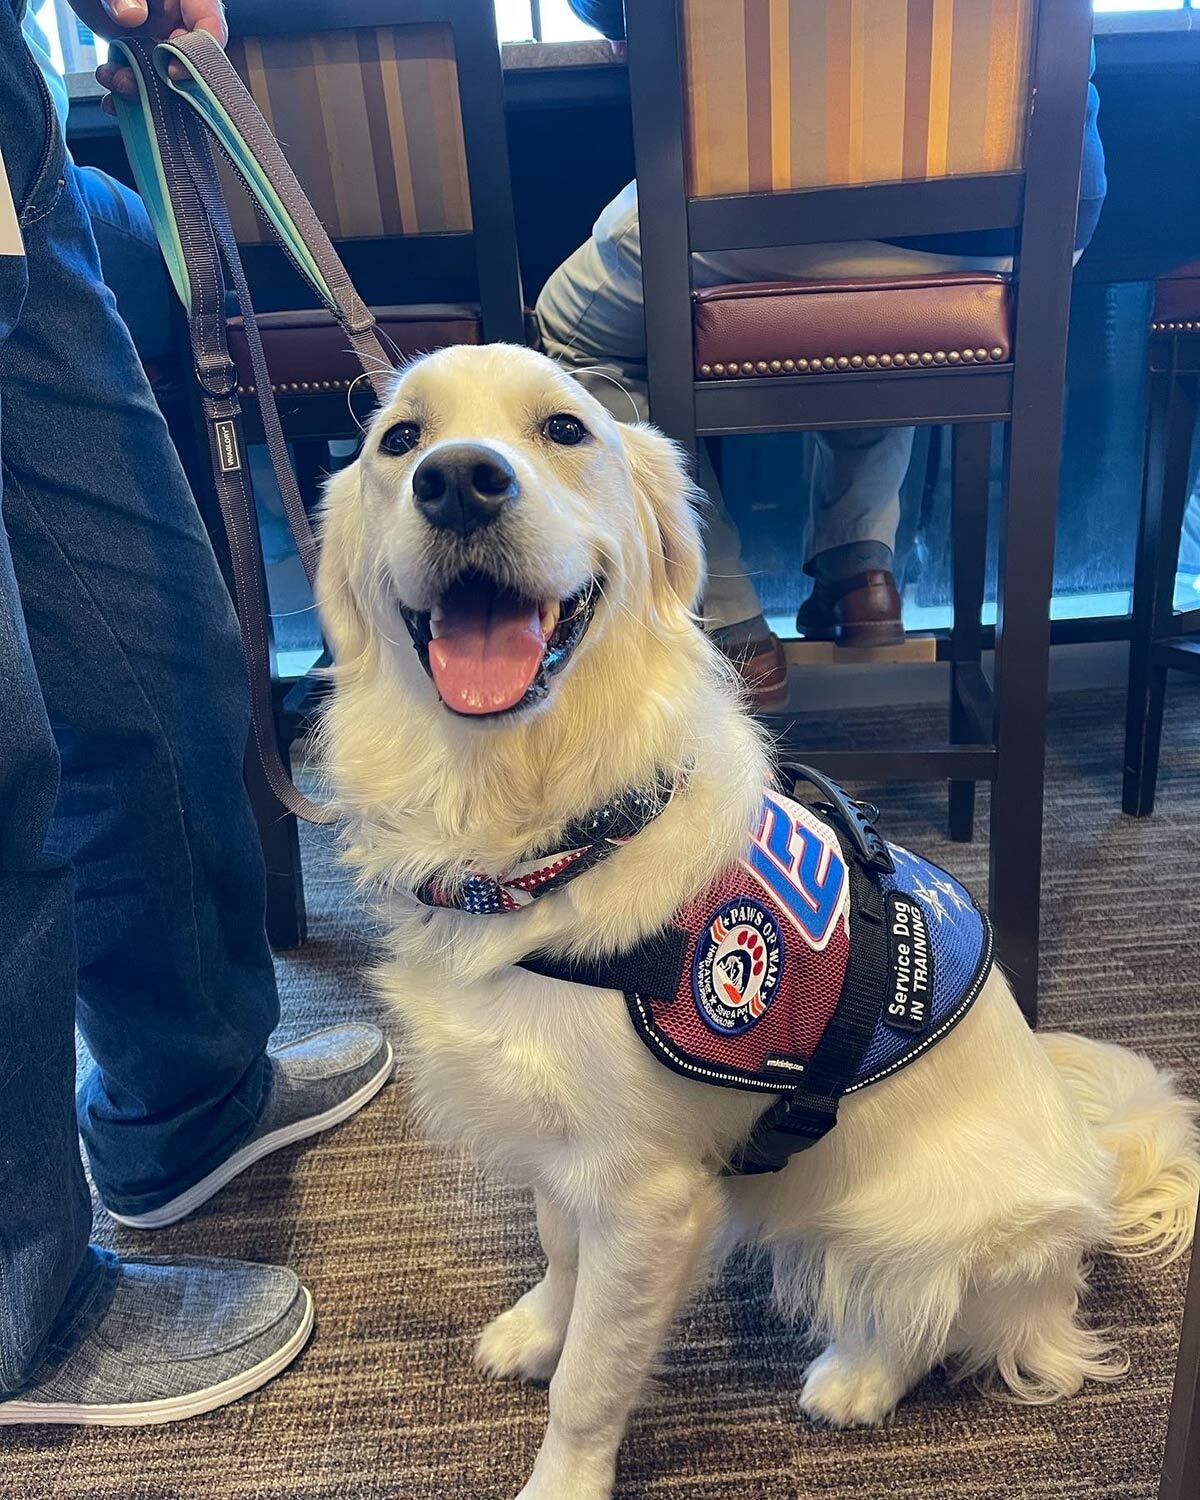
column 820, row 962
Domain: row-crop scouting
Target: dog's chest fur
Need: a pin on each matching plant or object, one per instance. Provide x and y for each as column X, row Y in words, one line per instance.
column 548, row 1080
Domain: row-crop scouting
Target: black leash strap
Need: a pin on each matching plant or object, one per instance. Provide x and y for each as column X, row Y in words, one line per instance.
column 170, row 149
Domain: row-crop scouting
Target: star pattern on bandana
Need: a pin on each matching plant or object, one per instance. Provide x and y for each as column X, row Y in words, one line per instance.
column 588, row 840
column 525, row 886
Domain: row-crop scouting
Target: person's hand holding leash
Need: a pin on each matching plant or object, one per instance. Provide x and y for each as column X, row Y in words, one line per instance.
column 158, row 18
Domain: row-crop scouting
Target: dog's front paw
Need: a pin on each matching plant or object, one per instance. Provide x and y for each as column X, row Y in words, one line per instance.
column 859, row 1390
column 519, row 1344
column 571, row 1470
column 565, row 1489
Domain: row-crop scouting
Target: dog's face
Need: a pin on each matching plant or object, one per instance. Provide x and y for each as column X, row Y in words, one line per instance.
column 510, row 523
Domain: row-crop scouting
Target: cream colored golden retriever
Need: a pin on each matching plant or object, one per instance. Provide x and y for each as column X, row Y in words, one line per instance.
column 508, row 580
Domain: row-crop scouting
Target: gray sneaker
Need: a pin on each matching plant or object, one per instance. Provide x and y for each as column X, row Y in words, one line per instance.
column 317, row 1083
column 180, row 1337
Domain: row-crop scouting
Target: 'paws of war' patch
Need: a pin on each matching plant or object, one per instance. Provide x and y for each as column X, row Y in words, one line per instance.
column 737, row 966
column 909, row 996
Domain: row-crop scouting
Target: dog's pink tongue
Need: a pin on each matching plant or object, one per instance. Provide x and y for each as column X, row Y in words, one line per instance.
column 489, row 650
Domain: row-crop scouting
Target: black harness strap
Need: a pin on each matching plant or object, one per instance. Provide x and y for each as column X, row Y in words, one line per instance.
column 650, row 968
column 803, row 1117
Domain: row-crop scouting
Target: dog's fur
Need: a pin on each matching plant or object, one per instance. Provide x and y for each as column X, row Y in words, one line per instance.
column 949, row 1214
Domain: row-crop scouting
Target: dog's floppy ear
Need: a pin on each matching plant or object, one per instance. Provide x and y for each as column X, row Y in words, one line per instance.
column 664, row 490
column 342, row 617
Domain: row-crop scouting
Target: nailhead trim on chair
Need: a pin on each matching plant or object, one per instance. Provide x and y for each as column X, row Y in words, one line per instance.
column 841, row 362
column 1175, row 327
column 285, row 387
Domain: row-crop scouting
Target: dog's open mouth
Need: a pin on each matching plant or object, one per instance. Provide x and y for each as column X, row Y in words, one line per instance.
column 490, row 650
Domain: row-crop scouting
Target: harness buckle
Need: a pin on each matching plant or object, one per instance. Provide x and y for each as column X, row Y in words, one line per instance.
column 793, row 1125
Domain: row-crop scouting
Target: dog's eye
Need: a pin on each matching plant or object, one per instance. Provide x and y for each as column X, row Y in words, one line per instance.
column 565, row 430
column 402, row 438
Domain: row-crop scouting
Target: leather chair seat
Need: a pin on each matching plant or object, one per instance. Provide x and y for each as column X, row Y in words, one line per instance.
column 1177, row 300
column 830, row 327
column 307, row 352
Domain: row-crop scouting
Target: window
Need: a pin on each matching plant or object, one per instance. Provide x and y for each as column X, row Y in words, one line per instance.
column 73, row 48
column 540, row 21
column 554, row 21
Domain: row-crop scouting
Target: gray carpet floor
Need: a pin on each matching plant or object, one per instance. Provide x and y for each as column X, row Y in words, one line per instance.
column 410, row 1252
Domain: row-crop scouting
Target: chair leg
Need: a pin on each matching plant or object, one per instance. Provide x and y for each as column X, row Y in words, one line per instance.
column 278, row 832
column 1024, row 588
column 1167, row 471
column 972, row 449
column 1180, row 1478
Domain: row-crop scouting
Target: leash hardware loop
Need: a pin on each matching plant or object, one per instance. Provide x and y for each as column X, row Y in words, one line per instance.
column 217, row 374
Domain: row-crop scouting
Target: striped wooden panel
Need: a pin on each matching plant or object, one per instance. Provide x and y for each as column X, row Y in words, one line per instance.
column 790, row 94
column 370, row 122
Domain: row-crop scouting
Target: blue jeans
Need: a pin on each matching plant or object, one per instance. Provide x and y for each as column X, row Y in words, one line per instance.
column 130, row 260
column 131, row 882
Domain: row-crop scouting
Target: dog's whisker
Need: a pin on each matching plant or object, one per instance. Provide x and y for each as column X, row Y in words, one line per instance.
column 623, row 607
column 350, row 401
column 403, row 360
column 287, row 614
column 604, row 375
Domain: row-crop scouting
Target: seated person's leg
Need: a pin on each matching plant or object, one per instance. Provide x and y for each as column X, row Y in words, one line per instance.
column 733, row 614
column 590, row 313
column 855, row 513
column 130, row 260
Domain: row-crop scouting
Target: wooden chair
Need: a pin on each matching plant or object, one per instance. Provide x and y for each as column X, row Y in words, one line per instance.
column 392, row 117
column 1163, row 639
column 1180, row 1479
column 816, row 122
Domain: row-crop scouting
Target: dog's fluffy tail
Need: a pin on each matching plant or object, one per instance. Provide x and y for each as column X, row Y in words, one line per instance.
column 1150, row 1130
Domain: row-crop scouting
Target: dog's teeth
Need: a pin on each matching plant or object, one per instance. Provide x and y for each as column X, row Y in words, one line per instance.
column 549, row 618
column 435, row 622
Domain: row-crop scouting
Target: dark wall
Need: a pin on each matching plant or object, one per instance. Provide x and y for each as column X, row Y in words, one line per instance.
column 567, row 162
column 1149, row 121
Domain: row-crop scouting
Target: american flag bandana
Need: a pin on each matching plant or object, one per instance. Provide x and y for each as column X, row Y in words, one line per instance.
column 585, row 842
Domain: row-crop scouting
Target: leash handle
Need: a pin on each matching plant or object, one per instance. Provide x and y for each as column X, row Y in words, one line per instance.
column 226, row 106
column 166, row 137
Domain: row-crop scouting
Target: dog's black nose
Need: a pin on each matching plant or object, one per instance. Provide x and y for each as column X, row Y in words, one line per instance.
column 463, row 487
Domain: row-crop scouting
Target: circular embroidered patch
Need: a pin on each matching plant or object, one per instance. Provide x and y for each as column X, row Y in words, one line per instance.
column 737, row 966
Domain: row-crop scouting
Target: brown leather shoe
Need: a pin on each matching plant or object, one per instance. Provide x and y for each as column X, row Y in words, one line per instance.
column 861, row 611
column 762, row 666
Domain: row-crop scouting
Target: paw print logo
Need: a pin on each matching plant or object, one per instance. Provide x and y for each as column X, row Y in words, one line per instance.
column 737, row 966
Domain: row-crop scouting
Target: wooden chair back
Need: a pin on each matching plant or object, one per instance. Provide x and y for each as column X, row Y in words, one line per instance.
column 782, row 95
column 392, row 117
